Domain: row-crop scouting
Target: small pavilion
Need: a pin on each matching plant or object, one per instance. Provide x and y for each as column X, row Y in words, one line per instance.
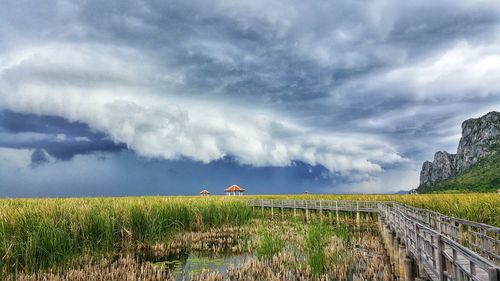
column 234, row 189
column 306, row 191
column 204, row 192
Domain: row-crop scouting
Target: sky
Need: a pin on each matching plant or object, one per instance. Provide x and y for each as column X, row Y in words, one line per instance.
column 129, row 97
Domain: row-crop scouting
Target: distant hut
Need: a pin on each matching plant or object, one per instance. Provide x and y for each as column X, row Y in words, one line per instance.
column 234, row 189
column 498, row 191
column 204, row 192
column 413, row 191
column 306, row 191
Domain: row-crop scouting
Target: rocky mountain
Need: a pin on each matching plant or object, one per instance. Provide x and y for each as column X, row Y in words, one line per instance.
column 479, row 136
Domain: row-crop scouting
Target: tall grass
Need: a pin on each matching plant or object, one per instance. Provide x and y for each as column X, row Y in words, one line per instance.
column 38, row 233
column 316, row 242
column 269, row 244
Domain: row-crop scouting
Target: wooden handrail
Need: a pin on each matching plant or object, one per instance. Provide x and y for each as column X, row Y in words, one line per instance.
column 439, row 243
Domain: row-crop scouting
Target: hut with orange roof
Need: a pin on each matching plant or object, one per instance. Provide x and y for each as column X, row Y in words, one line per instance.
column 234, row 189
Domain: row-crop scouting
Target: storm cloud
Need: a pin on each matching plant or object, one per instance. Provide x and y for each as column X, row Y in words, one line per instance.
column 53, row 135
column 364, row 90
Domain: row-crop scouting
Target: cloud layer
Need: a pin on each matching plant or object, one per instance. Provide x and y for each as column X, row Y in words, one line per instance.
column 366, row 90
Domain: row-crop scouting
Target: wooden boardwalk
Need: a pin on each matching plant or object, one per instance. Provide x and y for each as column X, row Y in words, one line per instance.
column 441, row 247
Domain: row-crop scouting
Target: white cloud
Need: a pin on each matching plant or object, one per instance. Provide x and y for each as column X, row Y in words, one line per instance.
column 14, row 158
column 390, row 181
column 170, row 127
column 461, row 70
column 464, row 71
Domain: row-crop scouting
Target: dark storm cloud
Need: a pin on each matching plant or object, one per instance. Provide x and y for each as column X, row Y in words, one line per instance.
column 122, row 174
column 21, row 123
column 55, row 135
column 294, row 57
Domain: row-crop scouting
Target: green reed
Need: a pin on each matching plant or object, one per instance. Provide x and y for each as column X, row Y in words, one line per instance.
column 39, row 233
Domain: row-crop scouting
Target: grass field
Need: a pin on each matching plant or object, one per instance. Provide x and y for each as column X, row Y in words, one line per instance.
column 39, row 233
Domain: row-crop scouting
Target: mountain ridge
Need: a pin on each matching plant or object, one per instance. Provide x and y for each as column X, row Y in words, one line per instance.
column 480, row 139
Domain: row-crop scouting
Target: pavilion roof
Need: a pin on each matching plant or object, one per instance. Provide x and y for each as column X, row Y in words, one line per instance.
column 204, row 191
column 234, row 188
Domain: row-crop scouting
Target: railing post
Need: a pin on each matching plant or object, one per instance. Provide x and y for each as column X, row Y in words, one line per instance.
column 395, row 253
column 493, row 274
column 357, row 214
column 262, row 204
column 320, row 211
column 483, row 241
column 337, row 210
column 440, row 259
column 438, row 224
column 282, row 212
column 294, row 209
column 272, row 209
column 330, row 212
column 307, row 212
column 419, row 251
column 455, row 261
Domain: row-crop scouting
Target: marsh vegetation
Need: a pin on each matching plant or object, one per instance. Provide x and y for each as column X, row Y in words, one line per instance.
column 192, row 238
column 283, row 250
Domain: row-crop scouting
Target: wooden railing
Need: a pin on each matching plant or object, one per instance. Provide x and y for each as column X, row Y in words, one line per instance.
column 481, row 238
column 327, row 205
column 435, row 252
column 444, row 247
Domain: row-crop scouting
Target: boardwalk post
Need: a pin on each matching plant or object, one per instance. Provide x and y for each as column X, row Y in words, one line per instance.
column 282, row 213
column 440, row 259
column 272, row 210
column 395, row 254
column 294, row 209
column 307, row 212
column 438, row 224
column 408, row 269
column 357, row 214
column 402, row 260
column 390, row 244
column 337, row 210
column 418, row 245
column 483, row 241
column 454, row 264
column 320, row 211
column 472, row 269
column 262, row 204
column 330, row 212
column 460, row 231
column 493, row 274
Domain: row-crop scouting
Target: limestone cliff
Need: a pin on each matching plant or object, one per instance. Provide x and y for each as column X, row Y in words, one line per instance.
column 478, row 137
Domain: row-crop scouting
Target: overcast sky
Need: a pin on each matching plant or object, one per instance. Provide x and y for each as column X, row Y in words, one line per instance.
column 169, row 97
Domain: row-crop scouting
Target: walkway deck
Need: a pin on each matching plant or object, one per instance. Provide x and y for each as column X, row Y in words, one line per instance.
column 443, row 247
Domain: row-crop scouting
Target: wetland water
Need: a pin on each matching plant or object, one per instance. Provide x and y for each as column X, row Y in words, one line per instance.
column 184, row 268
